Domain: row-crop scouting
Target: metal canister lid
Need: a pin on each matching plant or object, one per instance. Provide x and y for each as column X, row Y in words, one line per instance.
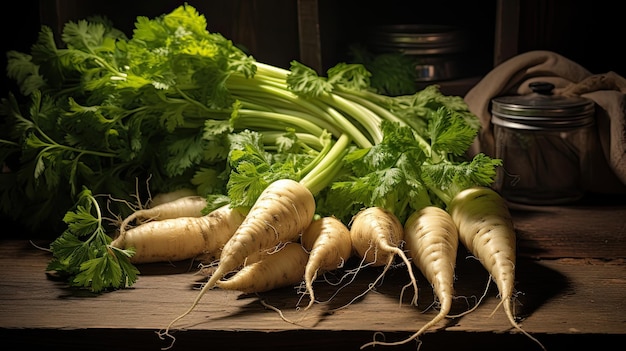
column 542, row 110
column 419, row 39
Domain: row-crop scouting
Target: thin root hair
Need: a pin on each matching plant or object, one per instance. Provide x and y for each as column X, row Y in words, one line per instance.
column 513, row 299
column 163, row 334
column 302, row 291
column 280, row 313
column 128, row 204
column 39, row 247
column 370, row 286
column 335, row 283
column 140, row 205
column 342, row 263
column 351, row 273
column 117, row 218
column 472, row 257
column 209, row 265
column 276, row 248
column 413, row 300
column 477, row 303
column 434, row 305
column 276, row 235
column 375, row 342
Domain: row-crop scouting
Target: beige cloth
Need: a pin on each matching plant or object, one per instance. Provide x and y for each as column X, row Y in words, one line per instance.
column 607, row 90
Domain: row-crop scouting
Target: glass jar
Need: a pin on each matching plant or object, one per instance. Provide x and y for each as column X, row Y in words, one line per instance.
column 439, row 51
column 543, row 142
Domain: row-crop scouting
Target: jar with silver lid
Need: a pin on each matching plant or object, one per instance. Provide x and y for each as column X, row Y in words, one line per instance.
column 439, row 51
column 543, row 142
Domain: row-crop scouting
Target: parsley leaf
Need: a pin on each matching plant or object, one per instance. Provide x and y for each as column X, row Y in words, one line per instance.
column 83, row 252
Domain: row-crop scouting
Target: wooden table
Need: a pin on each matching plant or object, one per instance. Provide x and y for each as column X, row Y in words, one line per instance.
column 571, row 279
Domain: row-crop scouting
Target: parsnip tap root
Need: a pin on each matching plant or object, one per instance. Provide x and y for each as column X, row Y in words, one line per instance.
column 187, row 206
column 377, row 236
column 329, row 244
column 162, row 198
column 274, row 270
column 486, row 229
column 182, row 238
column 280, row 214
column 432, row 241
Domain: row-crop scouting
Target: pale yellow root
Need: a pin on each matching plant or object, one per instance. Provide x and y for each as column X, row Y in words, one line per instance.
column 163, row 241
column 280, row 214
column 328, row 242
column 162, row 198
column 224, row 222
column 486, row 229
column 276, row 270
column 188, row 206
column 176, row 239
column 377, row 235
column 432, row 241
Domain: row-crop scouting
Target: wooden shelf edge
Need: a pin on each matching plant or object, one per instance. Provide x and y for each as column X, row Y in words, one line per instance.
column 559, row 299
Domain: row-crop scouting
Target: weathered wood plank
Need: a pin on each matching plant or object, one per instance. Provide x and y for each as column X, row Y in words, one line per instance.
column 566, row 297
column 580, row 231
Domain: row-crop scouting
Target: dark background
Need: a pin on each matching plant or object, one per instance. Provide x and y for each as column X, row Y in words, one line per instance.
column 587, row 32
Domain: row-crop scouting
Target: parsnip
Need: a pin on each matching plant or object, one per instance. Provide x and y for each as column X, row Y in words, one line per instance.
column 329, row 244
column 486, row 229
column 176, row 239
column 187, row 206
column 432, row 240
column 277, row 269
column 280, row 215
column 377, row 237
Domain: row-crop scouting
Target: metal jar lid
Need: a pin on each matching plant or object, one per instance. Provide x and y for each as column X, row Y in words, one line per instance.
column 419, row 39
column 541, row 110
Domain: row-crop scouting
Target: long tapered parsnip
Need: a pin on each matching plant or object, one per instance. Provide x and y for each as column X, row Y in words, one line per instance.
column 432, row 240
column 186, row 206
column 182, row 238
column 377, row 237
column 329, row 244
column 277, row 269
column 162, row 198
column 280, row 214
column 486, row 229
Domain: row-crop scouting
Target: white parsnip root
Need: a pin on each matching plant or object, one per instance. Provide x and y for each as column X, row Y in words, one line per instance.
column 280, row 215
column 176, row 239
column 186, row 206
column 329, row 244
column 486, row 229
column 162, row 198
column 432, row 240
column 277, row 269
column 377, row 237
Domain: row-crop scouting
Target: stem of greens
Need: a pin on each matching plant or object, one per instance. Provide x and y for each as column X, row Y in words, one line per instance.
column 320, row 176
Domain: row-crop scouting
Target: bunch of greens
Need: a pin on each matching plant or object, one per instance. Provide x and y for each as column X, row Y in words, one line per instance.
column 178, row 106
